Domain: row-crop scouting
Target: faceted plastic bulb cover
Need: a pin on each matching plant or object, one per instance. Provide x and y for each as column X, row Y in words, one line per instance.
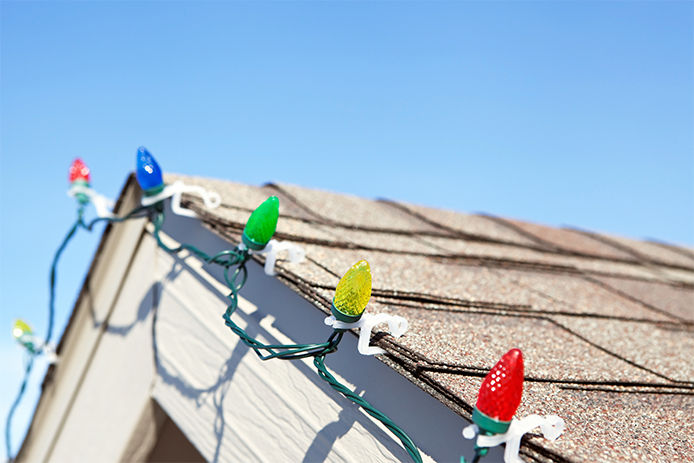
column 79, row 172
column 353, row 292
column 148, row 172
column 502, row 388
column 262, row 223
column 20, row 328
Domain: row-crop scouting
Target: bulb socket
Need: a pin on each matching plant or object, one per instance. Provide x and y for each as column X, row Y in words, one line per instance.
column 155, row 190
column 343, row 317
column 81, row 197
column 28, row 345
column 489, row 424
column 251, row 244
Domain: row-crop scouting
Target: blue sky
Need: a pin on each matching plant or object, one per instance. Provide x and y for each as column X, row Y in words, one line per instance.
column 577, row 113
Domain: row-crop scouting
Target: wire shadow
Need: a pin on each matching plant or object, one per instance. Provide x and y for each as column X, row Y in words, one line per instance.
column 149, row 301
column 323, row 443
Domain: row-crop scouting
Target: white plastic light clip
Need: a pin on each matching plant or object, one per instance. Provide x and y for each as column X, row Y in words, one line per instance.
column 397, row 326
column 174, row 191
column 102, row 204
column 551, row 426
column 295, row 254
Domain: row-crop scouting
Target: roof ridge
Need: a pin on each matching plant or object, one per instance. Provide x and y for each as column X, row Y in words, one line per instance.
column 521, row 312
column 672, row 247
column 635, row 299
column 640, row 256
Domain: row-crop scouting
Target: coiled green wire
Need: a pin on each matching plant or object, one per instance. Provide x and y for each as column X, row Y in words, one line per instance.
column 318, row 352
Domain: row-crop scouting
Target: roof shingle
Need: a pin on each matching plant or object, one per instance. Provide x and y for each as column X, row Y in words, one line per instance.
column 606, row 324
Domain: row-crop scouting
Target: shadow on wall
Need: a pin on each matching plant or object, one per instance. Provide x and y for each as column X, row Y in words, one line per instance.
column 319, row 449
column 150, row 301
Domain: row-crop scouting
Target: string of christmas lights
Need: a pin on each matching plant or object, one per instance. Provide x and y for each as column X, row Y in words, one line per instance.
column 501, row 390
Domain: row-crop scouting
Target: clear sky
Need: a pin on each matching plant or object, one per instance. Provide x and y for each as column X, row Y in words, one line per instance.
column 564, row 113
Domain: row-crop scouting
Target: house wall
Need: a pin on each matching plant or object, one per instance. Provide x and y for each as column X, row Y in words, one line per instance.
column 161, row 336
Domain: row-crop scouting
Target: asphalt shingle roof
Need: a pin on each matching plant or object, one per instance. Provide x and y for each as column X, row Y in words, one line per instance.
column 606, row 324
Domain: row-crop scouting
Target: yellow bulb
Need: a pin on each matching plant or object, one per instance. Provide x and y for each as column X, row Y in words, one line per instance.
column 20, row 328
column 354, row 290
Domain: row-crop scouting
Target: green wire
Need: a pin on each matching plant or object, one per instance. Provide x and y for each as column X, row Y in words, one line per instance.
column 13, row 408
column 158, row 221
column 54, row 270
column 319, row 362
column 281, row 351
column 138, row 212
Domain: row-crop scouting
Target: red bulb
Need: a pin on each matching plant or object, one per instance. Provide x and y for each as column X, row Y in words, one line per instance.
column 502, row 388
column 79, row 171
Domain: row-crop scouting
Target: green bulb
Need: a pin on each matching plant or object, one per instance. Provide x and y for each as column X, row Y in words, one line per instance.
column 261, row 224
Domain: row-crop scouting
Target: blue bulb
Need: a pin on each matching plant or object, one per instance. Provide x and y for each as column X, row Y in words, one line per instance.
column 148, row 171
